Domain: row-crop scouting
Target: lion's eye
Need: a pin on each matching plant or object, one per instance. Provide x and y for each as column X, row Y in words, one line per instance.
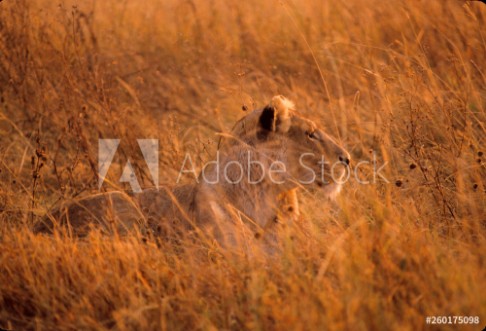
column 312, row 135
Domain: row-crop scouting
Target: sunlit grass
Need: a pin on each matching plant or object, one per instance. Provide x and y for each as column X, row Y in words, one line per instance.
column 404, row 81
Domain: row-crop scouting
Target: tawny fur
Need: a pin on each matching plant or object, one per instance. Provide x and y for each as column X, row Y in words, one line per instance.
column 232, row 214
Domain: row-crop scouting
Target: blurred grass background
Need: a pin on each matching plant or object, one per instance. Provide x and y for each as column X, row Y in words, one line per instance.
column 402, row 80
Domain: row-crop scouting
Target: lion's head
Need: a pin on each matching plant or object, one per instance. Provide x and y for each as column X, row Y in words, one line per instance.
column 311, row 157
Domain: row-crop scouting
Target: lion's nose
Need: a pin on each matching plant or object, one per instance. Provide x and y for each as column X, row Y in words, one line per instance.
column 344, row 159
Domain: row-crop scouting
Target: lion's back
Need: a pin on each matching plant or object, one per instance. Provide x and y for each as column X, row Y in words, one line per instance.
column 108, row 212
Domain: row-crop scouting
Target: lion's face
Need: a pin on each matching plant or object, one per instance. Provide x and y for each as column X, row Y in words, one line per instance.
column 311, row 156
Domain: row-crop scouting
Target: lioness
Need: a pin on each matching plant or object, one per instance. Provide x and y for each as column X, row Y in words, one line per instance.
column 274, row 150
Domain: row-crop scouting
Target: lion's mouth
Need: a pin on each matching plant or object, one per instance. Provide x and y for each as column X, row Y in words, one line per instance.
column 324, row 182
column 328, row 179
column 330, row 189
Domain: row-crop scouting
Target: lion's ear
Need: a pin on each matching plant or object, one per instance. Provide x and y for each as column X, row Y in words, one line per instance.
column 276, row 116
column 283, row 107
column 268, row 119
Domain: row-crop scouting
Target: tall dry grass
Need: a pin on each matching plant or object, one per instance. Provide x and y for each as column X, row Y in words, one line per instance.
column 404, row 80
